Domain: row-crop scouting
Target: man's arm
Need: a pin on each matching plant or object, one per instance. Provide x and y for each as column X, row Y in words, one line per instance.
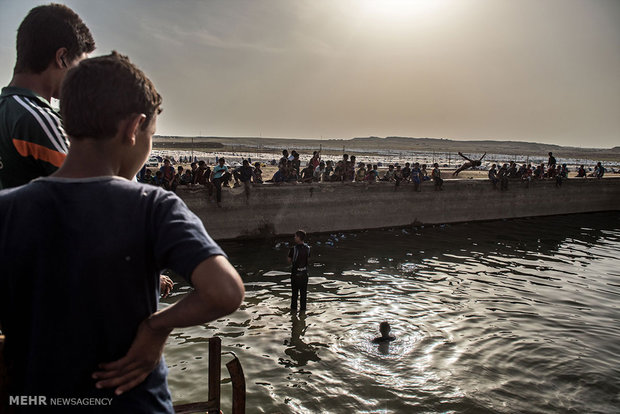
column 218, row 291
column 43, row 143
column 483, row 155
column 461, row 154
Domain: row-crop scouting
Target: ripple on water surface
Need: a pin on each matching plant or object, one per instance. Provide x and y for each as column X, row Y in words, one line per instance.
column 511, row 316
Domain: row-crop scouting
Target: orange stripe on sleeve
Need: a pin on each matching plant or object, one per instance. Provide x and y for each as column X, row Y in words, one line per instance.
column 39, row 152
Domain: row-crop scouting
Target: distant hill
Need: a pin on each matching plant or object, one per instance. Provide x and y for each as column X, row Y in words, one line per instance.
column 370, row 144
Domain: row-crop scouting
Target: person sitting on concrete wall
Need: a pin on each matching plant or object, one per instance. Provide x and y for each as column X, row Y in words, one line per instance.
column 284, row 158
column 502, row 174
column 292, row 175
column 527, row 174
column 329, row 169
column 220, row 177
column 168, row 174
column 424, row 174
column 243, row 174
column 512, row 170
column 406, row 172
column 319, row 172
column 398, row 175
column 350, row 170
column 279, row 176
column 375, row 170
column 158, row 180
column 369, row 177
column 194, row 170
column 416, row 176
column 307, row 174
column 539, row 172
column 257, row 174
column 316, row 159
column 389, row 174
column 361, row 173
column 436, row 175
column 493, row 175
column 581, row 172
column 187, row 178
column 339, row 172
column 296, row 164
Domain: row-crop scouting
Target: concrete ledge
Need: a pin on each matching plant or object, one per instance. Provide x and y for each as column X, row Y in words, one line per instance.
column 326, row 207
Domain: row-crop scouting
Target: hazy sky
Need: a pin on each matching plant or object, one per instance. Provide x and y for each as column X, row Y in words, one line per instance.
column 532, row 70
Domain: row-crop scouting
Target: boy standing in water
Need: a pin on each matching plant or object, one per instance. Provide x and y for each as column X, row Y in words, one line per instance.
column 78, row 302
column 298, row 257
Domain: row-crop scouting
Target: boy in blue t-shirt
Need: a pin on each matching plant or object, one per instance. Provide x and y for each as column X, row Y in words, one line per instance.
column 82, row 251
column 220, row 176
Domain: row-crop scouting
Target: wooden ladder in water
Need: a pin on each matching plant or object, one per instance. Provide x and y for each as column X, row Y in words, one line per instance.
column 212, row 405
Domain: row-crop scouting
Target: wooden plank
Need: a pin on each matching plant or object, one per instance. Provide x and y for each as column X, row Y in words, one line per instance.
column 238, row 384
column 215, row 373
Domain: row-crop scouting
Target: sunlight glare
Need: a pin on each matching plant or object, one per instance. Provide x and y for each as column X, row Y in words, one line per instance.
column 393, row 10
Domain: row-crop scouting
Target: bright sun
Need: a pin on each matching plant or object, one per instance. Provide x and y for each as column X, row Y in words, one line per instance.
column 397, row 9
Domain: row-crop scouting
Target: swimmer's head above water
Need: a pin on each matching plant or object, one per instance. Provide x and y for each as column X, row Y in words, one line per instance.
column 384, row 328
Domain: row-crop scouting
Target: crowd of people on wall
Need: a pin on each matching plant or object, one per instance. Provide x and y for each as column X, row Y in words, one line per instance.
column 289, row 171
column 525, row 172
column 347, row 169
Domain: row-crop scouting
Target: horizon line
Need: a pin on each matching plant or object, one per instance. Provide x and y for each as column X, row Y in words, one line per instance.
column 378, row 137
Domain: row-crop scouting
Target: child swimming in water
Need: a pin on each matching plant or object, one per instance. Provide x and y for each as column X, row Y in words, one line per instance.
column 384, row 328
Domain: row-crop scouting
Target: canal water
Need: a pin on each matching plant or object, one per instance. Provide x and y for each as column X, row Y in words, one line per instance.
column 495, row 317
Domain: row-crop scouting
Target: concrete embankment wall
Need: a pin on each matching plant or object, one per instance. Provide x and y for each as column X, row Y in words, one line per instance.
column 325, row 207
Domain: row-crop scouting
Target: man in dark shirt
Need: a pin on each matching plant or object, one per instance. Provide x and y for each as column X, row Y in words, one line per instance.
column 307, row 174
column 168, row 175
column 50, row 40
column 502, row 174
column 284, row 159
column 581, row 172
column 243, row 173
column 552, row 161
column 280, row 175
column 512, row 170
column 257, row 174
column 298, row 257
column 406, row 172
column 78, row 302
column 493, row 175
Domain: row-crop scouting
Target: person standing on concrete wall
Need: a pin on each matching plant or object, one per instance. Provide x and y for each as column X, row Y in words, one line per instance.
column 298, row 257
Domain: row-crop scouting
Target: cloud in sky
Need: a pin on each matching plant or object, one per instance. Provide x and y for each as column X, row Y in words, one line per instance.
column 463, row 69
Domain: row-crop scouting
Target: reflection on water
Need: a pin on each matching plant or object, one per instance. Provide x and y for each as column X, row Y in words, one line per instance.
column 299, row 352
column 509, row 316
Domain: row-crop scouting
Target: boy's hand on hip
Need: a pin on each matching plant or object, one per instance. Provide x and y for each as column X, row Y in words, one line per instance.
column 143, row 356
